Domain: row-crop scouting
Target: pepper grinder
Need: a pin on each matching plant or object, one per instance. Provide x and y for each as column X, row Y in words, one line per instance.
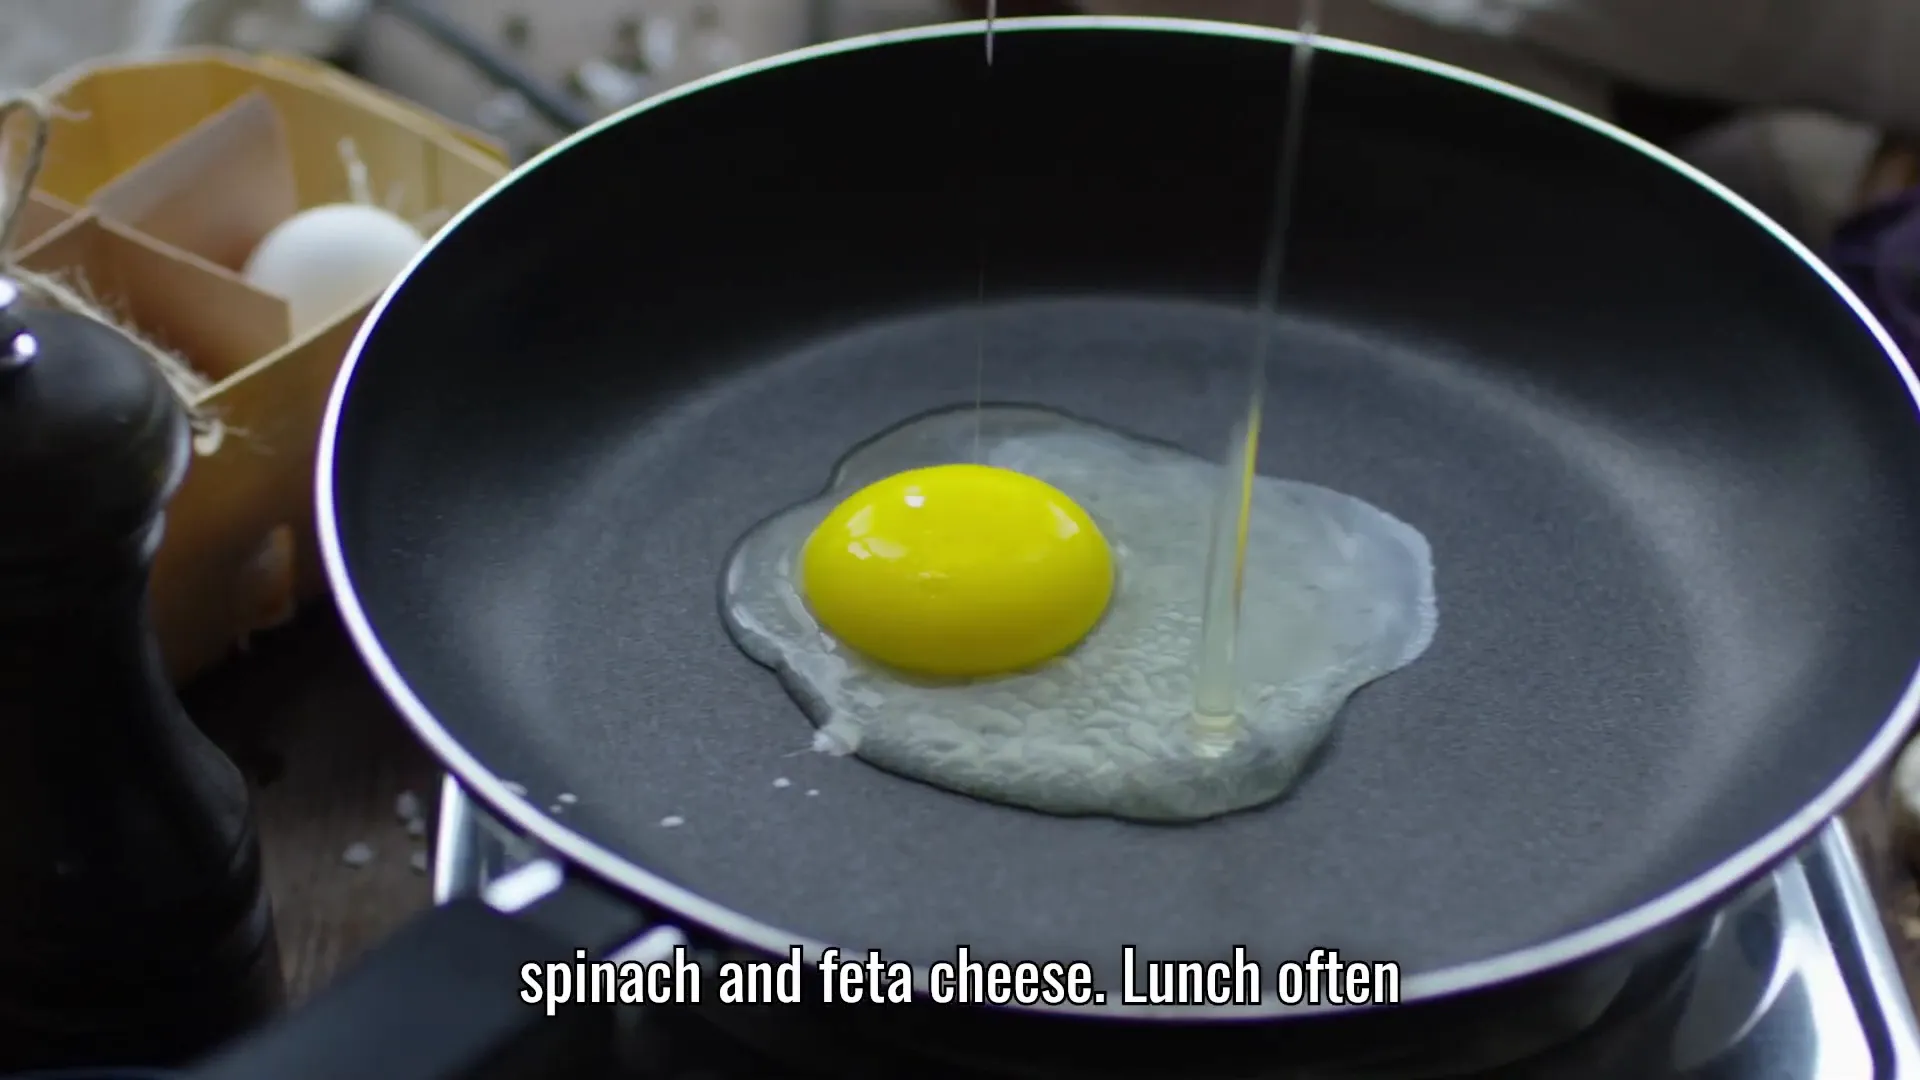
column 135, row 926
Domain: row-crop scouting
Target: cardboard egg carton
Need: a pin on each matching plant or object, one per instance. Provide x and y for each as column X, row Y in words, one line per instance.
column 160, row 178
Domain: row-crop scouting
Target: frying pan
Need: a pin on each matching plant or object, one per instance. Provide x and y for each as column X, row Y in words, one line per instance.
column 1668, row 465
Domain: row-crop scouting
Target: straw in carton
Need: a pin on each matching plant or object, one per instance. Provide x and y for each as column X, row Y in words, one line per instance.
column 187, row 384
column 360, row 190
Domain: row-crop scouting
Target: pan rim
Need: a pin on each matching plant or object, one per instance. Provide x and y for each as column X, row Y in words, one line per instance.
column 1753, row 860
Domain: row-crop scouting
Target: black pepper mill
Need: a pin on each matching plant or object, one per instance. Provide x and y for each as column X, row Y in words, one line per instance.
column 134, row 921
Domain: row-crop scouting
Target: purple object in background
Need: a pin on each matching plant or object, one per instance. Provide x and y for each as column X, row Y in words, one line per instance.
column 1877, row 251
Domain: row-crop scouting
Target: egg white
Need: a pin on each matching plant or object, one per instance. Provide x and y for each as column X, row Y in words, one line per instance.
column 1336, row 594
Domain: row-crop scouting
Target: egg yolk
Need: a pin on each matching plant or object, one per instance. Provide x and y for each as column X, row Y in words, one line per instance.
column 957, row 571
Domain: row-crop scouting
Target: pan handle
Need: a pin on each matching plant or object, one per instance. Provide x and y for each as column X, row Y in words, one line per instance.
column 441, row 999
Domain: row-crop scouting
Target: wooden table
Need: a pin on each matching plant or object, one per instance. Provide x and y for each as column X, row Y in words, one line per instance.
column 330, row 759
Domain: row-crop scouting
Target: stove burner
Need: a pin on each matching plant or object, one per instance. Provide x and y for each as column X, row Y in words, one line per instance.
column 1795, row 980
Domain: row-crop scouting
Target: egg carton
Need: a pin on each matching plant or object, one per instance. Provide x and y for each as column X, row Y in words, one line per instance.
column 161, row 177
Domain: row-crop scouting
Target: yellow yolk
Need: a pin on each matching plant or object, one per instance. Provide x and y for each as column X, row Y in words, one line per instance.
column 957, row 571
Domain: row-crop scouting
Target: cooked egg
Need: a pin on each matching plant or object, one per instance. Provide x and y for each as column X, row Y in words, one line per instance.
column 1054, row 669
column 957, row 570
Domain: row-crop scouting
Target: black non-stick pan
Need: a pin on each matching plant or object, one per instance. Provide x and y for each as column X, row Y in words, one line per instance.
column 1668, row 466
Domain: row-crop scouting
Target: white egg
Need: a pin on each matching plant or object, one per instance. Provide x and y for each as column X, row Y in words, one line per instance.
column 326, row 260
column 1336, row 594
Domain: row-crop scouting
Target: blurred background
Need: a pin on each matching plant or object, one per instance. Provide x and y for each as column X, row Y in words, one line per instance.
column 597, row 55
column 1798, row 114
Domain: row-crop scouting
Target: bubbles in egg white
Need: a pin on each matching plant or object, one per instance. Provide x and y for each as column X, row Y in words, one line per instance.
column 1336, row 594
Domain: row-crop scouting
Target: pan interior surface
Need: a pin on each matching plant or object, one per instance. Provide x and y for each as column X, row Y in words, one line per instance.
column 1666, row 473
